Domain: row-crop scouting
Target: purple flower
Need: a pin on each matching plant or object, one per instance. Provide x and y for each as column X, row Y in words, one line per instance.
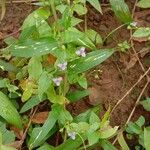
column 134, row 24
column 62, row 66
column 57, row 81
column 81, row 52
column 72, row 135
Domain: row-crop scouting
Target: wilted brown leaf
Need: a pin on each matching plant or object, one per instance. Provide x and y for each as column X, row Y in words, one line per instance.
column 142, row 39
column 18, row 132
column 131, row 63
column 40, row 117
column 94, row 96
column 51, row 59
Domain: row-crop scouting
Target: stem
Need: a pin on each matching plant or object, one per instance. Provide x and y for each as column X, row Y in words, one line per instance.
column 52, row 3
column 65, row 85
column 82, row 141
column 85, row 20
column 114, row 31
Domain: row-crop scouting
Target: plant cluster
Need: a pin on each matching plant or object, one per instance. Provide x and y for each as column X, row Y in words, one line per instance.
column 50, row 55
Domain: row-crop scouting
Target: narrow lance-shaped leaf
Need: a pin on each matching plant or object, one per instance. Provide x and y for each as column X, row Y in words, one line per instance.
column 91, row 60
column 9, row 112
column 147, row 138
column 33, row 101
column 144, row 4
column 7, row 66
column 122, row 141
column 95, row 4
column 35, row 140
column 121, row 10
column 37, row 47
column 70, row 144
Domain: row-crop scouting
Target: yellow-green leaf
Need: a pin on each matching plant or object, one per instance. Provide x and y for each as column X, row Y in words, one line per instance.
column 9, row 112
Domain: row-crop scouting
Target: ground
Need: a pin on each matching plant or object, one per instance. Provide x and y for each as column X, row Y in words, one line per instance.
column 111, row 80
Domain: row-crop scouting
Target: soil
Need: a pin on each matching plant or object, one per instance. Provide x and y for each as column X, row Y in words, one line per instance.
column 112, row 79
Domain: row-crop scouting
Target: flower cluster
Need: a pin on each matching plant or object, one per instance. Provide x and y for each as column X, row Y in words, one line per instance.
column 63, row 66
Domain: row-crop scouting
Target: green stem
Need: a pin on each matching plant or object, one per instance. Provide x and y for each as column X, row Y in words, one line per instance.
column 82, row 141
column 85, row 20
column 52, row 3
column 65, row 85
column 113, row 31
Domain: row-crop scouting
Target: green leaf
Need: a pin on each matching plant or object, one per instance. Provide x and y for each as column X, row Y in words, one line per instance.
column 144, row 4
column 133, row 128
column 96, row 5
column 106, row 145
column 4, row 147
column 27, row 33
column 36, row 47
column 10, row 40
column 64, row 116
column 94, row 118
column 142, row 32
column 146, row 138
column 27, row 94
column 46, row 147
column 7, row 66
column 7, row 136
column 80, row 9
column 34, row 68
column 36, row 139
column 82, row 82
column 70, row 144
column 75, row 21
column 93, row 138
column 61, row 8
column 140, row 122
column 72, row 35
column 108, row 132
column 91, row 60
column 77, row 95
column 3, row 83
column 121, row 10
column 9, row 112
column 146, row 104
column 36, row 18
column 43, row 84
column 33, row 101
column 122, row 141
column 94, row 36
column 84, row 117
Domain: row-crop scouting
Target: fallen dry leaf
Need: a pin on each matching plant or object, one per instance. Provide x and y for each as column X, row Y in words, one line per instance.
column 131, row 63
column 94, row 98
column 51, row 59
column 144, row 51
column 141, row 39
column 15, row 144
column 40, row 117
column 18, row 132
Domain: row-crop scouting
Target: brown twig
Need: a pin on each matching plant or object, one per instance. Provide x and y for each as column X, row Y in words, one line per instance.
column 28, row 125
column 136, row 103
column 119, row 101
column 22, row 1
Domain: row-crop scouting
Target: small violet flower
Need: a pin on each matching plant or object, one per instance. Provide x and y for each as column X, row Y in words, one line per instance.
column 57, row 81
column 62, row 66
column 134, row 24
column 72, row 135
column 81, row 52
